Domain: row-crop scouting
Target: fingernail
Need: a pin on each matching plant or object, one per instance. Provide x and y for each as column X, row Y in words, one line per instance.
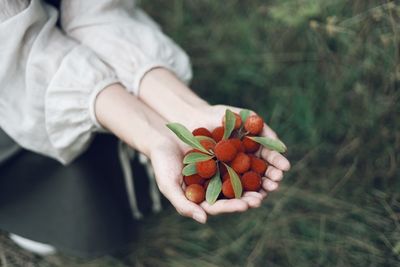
column 200, row 217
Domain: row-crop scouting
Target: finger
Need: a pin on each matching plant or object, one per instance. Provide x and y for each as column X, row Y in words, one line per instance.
column 225, row 206
column 253, row 202
column 282, row 162
column 235, row 109
column 275, row 159
column 263, row 193
column 269, row 185
column 183, row 206
column 268, row 132
column 274, row 174
column 253, row 194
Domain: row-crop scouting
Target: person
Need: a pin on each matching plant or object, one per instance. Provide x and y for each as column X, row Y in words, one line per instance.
column 102, row 66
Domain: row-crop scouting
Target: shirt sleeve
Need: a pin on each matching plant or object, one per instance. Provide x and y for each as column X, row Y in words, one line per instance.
column 49, row 83
column 125, row 37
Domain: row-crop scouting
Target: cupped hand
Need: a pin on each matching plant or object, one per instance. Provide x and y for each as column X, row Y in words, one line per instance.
column 167, row 158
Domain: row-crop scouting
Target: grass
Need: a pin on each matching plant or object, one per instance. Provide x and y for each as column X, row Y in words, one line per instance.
column 326, row 76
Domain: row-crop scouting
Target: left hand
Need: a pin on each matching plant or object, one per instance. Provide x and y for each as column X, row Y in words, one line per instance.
column 166, row 158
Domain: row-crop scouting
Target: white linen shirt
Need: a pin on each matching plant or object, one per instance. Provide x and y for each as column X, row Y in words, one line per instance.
column 49, row 80
column 125, row 37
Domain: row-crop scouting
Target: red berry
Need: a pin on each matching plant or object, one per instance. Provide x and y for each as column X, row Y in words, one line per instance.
column 250, row 146
column 206, row 169
column 225, row 151
column 241, row 163
column 254, row 124
column 238, row 144
column 193, row 179
column 207, row 144
column 205, row 185
column 195, row 193
column 258, row 165
column 218, row 133
column 251, row 181
column 227, row 189
column 222, row 169
column 238, row 121
column 226, row 177
column 201, row 131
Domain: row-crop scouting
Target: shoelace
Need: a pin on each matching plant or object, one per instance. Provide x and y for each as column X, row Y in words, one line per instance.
column 125, row 153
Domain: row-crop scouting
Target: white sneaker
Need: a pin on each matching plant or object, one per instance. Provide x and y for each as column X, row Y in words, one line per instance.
column 33, row 246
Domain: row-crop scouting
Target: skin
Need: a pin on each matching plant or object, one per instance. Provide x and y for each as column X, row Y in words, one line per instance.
column 140, row 122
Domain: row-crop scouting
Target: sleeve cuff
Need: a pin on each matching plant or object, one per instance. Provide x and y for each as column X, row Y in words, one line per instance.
column 141, row 72
column 70, row 99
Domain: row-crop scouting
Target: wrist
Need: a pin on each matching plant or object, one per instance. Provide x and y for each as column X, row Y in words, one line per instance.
column 132, row 121
column 152, row 141
column 171, row 98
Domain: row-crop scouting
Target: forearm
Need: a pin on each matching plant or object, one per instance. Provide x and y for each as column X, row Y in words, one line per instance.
column 128, row 118
column 165, row 93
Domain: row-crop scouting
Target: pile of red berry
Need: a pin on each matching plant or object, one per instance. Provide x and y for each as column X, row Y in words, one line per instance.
column 224, row 160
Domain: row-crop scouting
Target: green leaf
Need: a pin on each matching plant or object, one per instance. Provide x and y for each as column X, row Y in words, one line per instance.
column 214, row 189
column 273, row 144
column 202, row 137
column 196, row 157
column 244, row 113
column 189, row 169
column 229, row 123
column 186, row 136
column 235, row 180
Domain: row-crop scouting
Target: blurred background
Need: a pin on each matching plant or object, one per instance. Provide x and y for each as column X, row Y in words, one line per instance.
column 326, row 76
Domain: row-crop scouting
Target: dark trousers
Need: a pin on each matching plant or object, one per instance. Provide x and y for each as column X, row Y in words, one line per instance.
column 81, row 209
